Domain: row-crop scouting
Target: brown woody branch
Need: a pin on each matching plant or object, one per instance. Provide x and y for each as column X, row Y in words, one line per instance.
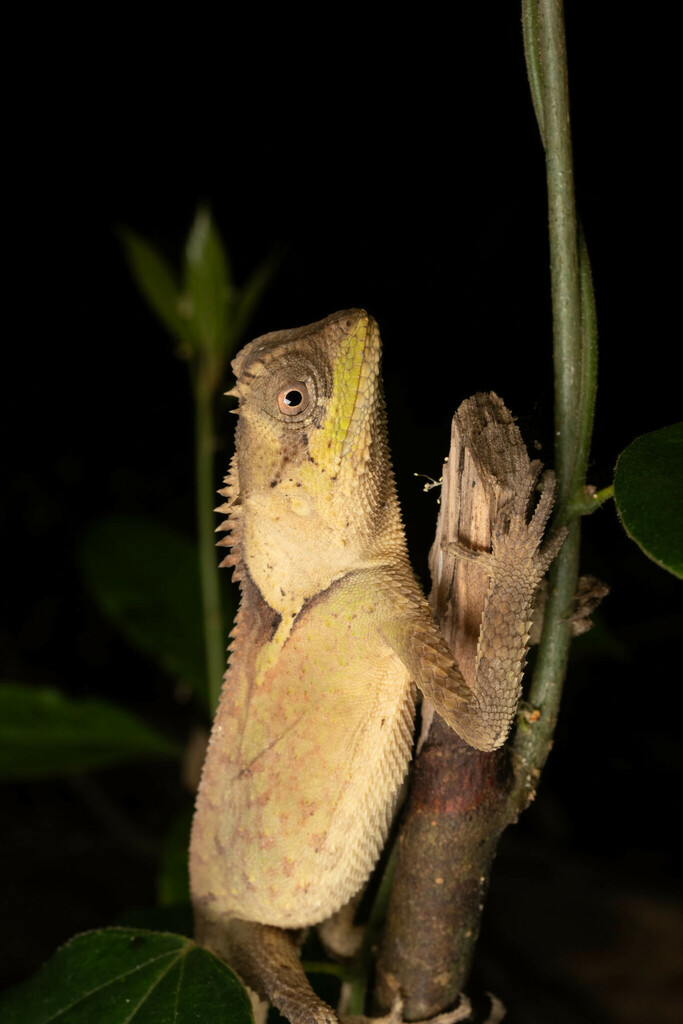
column 460, row 799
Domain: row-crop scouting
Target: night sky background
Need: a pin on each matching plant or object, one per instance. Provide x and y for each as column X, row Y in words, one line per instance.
column 395, row 167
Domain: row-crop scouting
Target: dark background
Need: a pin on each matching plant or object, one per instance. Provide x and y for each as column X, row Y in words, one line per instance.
column 395, row 167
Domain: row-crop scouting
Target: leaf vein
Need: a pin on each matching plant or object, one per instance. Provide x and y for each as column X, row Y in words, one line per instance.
column 110, row 981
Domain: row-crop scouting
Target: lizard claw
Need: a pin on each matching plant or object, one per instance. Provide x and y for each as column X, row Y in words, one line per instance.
column 589, row 593
column 459, row 550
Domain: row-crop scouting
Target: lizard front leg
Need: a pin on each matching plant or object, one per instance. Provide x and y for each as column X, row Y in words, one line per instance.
column 483, row 714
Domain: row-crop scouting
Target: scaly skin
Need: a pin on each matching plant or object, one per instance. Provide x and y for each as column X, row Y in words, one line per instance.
column 313, row 733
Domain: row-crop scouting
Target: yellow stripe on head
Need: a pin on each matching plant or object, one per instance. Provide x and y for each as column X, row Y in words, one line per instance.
column 345, row 432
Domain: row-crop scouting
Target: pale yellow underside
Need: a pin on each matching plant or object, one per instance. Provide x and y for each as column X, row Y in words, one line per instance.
column 304, row 767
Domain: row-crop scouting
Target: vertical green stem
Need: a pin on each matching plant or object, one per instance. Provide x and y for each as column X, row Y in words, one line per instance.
column 563, row 235
column 533, row 741
column 575, row 357
column 365, row 957
column 208, row 569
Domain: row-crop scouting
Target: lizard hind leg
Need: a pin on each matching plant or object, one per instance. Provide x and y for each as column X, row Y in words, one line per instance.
column 267, row 961
column 339, row 935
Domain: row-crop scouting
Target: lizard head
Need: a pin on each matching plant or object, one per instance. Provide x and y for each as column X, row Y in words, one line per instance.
column 313, row 394
column 316, row 489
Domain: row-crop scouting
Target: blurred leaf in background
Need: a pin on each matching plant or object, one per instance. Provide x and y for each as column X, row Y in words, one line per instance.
column 44, row 734
column 207, row 317
column 163, row 593
column 208, row 314
column 173, row 880
column 144, row 576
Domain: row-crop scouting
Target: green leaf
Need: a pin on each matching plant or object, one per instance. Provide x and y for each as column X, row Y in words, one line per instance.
column 252, row 292
column 208, row 285
column 44, row 733
column 145, row 578
column 156, row 281
column 129, row 976
column 173, row 883
column 648, row 491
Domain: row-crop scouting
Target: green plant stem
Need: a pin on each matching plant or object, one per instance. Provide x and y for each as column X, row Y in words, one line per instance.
column 563, row 236
column 488, row 798
column 533, row 740
column 588, row 503
column 340, row 971
column 362, row 965
column 208, row 568
column 575, row 358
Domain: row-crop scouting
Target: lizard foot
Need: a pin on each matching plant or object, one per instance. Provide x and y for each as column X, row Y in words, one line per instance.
column 589, row 593
column 516, row 546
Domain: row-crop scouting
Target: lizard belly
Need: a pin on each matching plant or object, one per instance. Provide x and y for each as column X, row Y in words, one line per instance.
column 310, row 759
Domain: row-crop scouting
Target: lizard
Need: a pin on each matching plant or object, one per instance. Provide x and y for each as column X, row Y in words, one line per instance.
column 313, row 733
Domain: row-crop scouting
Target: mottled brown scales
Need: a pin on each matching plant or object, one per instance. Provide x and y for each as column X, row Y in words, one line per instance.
column 313, row 733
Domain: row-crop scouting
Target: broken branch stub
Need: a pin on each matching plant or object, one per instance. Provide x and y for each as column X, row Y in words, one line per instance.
column 459, row 804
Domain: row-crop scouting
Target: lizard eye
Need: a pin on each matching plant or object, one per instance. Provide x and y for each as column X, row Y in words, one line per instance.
column 293, row 399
